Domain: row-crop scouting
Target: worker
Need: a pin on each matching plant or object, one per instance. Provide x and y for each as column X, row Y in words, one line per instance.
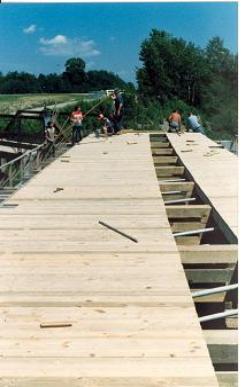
column 108, row 125
column 175, row 121
column 118, row 110
column 47, row 115
column 50, row 138
column 76, row 118
column 193, row 123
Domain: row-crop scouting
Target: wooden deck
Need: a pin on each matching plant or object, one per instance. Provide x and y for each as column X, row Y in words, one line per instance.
column 133, row 319
column 214, row 170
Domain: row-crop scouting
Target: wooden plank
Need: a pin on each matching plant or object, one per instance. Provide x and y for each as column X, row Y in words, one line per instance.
column 219, row 188
column 188, row 240
column 186, row 188
column 162, row 152
column 97, row 369
column 132, row 314
column 222, row 276
column 164, row 160
column 196, row 211
column 107, row 382
column 227, row 378
column 169, row 171
column 222, row 345
column 158, row 138
column 218, row 298
column 209, row 254
column 159, row 144
column 175, row 190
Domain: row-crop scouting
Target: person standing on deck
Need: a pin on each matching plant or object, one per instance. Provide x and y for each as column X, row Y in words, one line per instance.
column 76, row 119
column 193, row 123
column 47, row 116
column 175, row 121
column 118, row 111
column 50, row 138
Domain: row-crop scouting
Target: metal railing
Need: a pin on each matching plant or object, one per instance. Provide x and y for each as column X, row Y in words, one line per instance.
column 17, row 170
column 23, row 167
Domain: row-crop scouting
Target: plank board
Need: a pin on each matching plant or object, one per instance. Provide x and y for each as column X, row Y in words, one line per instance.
column 216, row 173
column 133, row 321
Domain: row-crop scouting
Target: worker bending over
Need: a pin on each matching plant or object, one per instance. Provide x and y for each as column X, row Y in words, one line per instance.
column 175, row 121
column 108, row 125
column 193, row 123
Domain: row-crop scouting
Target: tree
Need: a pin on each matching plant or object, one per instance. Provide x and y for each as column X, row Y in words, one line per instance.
column 102, row 80
column 22, row 82
column 220, row 96
column 75, row 73
column 177, row 72
column 171, row 68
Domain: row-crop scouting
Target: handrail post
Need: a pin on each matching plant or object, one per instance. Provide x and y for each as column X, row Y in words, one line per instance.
column 21, row 169
column 10, row 175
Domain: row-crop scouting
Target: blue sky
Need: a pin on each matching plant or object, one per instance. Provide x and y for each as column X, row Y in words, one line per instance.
column 39, row 38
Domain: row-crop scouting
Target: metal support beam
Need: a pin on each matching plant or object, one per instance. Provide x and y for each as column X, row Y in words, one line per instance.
column 217, row 316
column 220, row 289
column 193, row 232
column 171, row 180
column 179, row 201
column 171, row 192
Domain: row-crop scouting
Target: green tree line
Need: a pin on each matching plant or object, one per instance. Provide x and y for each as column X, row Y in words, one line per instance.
column 75, row 79
column 177, row 74
column 173, row 74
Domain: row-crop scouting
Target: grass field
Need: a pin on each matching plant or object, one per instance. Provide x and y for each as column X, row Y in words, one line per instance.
column 9, row 103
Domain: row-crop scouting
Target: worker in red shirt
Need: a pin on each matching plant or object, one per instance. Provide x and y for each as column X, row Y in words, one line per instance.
column 175, row 121
column 76, row 118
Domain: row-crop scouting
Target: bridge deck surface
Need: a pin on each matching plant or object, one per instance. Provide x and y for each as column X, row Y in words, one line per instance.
column 133, row 319
column 215, row 170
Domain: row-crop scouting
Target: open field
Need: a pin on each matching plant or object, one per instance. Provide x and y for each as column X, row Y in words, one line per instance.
column 9, row 103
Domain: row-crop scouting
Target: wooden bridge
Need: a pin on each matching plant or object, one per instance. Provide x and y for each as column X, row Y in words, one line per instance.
column 82, row 305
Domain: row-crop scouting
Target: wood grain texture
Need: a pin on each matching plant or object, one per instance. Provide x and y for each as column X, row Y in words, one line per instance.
column 217, row 176
column 133, row 319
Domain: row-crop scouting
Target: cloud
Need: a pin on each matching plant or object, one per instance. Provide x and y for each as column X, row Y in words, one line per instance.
column 60, row 45
column 30, row 30
column 57, row 40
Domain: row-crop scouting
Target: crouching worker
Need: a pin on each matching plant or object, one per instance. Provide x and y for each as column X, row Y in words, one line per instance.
column 108, row 127
column 175, row 121
column 50, row 138
column 193, row 123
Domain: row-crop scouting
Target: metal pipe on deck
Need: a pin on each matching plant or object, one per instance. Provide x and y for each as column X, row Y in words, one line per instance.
column 171, row 180
column 175, row 201
column 217, row 316
column 219, row 289
column 172, row 192
column 192, row 232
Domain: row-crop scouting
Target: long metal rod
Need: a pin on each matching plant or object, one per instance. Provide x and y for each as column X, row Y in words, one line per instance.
column 118, row 231
column 217, row 316
column 192, row 232
column 179, row 200
column 170, row 180
column 220, row 289
column 171, row 192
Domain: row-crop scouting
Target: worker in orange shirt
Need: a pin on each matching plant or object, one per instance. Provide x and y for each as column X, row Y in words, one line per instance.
column 175, row 121
column 76, row 118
